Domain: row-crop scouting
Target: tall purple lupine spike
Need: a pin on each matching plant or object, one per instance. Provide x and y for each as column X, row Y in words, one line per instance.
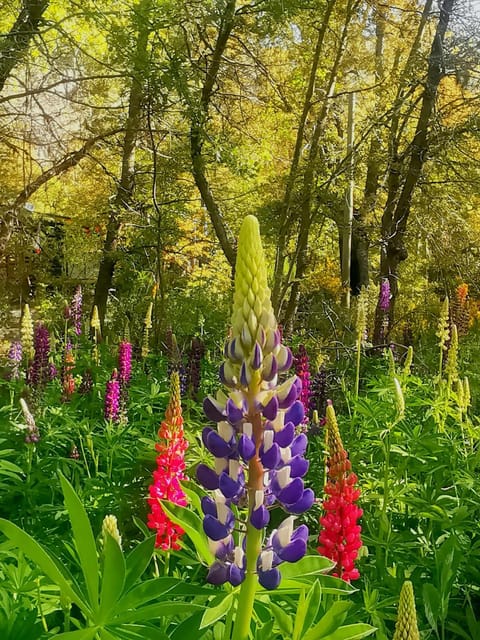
column 384, row 299
column 41, row 370
column 76, row 310
column 258, row 461
column 302, row 369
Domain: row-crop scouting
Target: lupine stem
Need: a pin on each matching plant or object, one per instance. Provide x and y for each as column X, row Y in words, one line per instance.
column 357, row 372
column 246, row 598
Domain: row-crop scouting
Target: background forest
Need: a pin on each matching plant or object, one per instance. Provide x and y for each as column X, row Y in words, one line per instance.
column 135, row 139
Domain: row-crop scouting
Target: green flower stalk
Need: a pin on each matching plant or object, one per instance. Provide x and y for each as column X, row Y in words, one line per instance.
column 26, row 332
column 406, row 627
column 407, row 367
column 451, row 368
column 96, row 326
column 361, row 330
column 146, row 331
column 399, row 399
column 443, row 332
column 258, row 458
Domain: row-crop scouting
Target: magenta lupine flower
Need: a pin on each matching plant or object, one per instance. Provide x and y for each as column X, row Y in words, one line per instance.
column 112, row 398
column 15, row 357
column 194, row 367
column 384, row 299
column 41, row 369
column 76, row 310
column 124, row 362
column 259, row 461
column 302, row 369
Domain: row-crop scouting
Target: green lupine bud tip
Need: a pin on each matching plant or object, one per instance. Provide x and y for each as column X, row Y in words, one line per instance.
column 251, row 300
column 406, row 627
column 109, row 527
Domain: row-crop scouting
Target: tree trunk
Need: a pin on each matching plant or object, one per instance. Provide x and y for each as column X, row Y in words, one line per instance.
column 397, row 209
column 306, row 216
column 124, row 194
column 17, row 41
column 197, row 135
column 285, row 213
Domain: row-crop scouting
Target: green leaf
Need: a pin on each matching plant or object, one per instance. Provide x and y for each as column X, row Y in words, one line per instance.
column 189, row 629
column 113, row 576
column 79, row 634
column 138, row 560
column 158, row 610
column 330, row 621
column 307, row 566
column 431, row 601
column 352, row 632
column 84, row 540
column 217, row 609
column 300, row 616
column 192, row 524
column 157, row 588
column 284, row 621
column 312, row 605
column 41, row 557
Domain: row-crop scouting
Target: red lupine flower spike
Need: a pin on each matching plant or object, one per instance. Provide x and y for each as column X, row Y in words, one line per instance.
column 339, row 537
column 169, row 472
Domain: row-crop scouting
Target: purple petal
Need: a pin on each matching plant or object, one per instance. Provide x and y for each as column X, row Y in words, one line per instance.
column 223, row 550
column 269, row 579
column 257, row 357
column 298, row 467
column 295, row 414
column 303, row 504
column 213, row 409
column 205, row 432
column 246, row 447
column 270, row 410
column 289, row 398
column 235, row 575
column 294, row 551
column 218, row 573
column 260, row 517
column 234, row 414
column 207, row 477
column 271, row 458
column 299, row 445
column 214, row 528
column 217, row 445
column 285, row 437
column 270, row 367
column 284, row 358
column 229, row 487
column 291, row 493
column 244, row 375
column 209, row 506
column 235, row 351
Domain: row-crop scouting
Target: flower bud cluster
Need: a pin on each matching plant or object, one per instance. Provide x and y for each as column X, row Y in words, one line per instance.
column 112, row 398
column 68, row 381
column 41, row 370
column 339, row 537
column 33, row 435
column 76, row 310
column 15, row 354
column 169, row 472
column 258, row 456
column 302, row 369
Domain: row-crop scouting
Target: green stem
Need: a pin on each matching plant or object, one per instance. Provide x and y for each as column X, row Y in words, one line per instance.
column 357, row 372
column 246, row 598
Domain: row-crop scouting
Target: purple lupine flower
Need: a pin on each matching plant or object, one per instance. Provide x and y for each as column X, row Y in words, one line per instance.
column 319, row 389
column 15, row 354
column 195, row 356
column 302, row 369
column 259, row 459
column 41, row 369
column 112, row 398
column 76, row 310
column 124, row 362
column 384, row 297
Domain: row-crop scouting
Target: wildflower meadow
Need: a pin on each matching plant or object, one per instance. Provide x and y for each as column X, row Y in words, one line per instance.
column 258, row 488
